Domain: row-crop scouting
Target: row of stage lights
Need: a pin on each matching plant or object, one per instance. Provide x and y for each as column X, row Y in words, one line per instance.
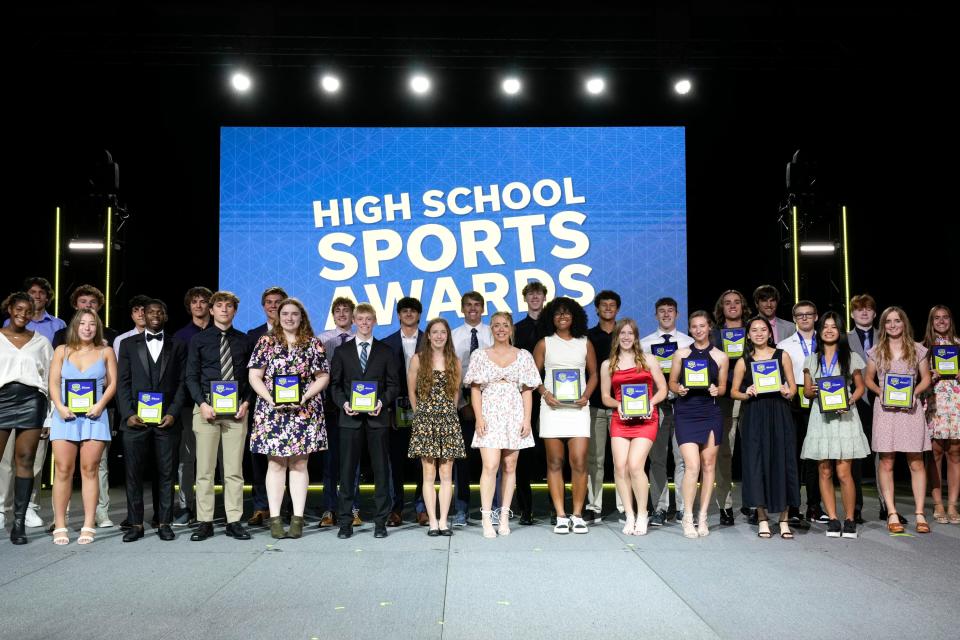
column 420, row 84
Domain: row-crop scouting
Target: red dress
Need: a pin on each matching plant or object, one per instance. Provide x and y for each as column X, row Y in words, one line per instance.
column 635, row 427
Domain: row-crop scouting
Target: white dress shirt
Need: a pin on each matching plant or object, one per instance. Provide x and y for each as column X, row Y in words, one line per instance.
column 331, row 340
column 360, row 343
column 794, row 348
column 154, row 346
column 123, row 336
column 29, row 365
column 647, row 342
column 461, row 343
column 409, row 345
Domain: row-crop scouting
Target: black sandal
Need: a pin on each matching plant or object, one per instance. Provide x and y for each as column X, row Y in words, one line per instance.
column 788, row 534
column 766, row 535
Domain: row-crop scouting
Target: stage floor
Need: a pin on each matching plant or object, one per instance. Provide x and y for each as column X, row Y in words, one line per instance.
column 531, row 584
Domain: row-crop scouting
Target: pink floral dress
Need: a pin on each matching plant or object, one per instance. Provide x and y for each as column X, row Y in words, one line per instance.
column 943, row 407
column 500, row 389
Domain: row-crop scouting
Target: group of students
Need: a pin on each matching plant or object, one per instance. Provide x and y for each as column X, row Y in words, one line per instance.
column 502, row 388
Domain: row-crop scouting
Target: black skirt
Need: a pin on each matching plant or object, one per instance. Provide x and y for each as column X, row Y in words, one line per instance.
column 22, row 406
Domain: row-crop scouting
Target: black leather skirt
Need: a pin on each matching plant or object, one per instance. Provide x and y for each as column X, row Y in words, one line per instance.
column 22, row 406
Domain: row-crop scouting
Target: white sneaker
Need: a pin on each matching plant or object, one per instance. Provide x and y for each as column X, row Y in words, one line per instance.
column 562, row 526
column 103, row 521
column 579, row 525
column 593, row 517
column 31, row 519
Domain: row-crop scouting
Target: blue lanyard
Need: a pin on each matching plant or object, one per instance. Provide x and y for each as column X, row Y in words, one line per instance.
column 833, row 363
column 803, row 345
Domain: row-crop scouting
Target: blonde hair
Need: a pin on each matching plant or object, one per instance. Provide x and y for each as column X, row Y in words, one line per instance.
column 883, row 355
column 73, row 329
column 637, row 350
column 425, row 356
column 365, row 307
column 930, row 336
column 504, row 314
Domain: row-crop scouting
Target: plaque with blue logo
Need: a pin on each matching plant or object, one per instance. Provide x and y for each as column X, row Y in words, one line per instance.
column 832, row 394
column 150, row 406
column 566, row 385
column 696, row 374
column 663, row 352
column 80, row 395
column 223, row 396
column 733, row 341
column 286, row 389
column 898, row 390
column 766, row 376
column 945, row 359
column 635, row 400
column 363, row 396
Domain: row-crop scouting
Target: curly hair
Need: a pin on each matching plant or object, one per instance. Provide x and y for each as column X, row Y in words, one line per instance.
column 425, row 357
column 578, row 328
column 17, row 296
column 721, row 319
column 304, row 331
column 638, row 354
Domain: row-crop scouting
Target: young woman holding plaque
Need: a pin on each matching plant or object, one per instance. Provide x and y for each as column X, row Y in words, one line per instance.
column 631, row 438
column 943, row 415
column 433, row 386
column 24, row 364
column 288, row 371
column 80, row 423
column 835, row 437
column 565, row 352
column 501, row 379
column 901, row 429
column 699, row 419
column 771, row 483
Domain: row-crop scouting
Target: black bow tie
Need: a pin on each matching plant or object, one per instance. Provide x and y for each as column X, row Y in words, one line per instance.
column 154, row 336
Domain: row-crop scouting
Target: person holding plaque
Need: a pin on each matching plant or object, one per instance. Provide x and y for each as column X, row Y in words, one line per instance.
column 898, row 372
column 25, row 357
column 633, row 386
column 730, row 337
column 763, row 382
column 288, row 371
column 433, row 387
column 943, row 411
column 607, row 305
column 502, row 378
column 699, row 421
column 570, row 374
column 83, row 380
column 834, row 435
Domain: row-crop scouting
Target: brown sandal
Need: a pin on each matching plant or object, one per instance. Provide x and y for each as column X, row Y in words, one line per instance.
column 895, row 526
column 922, row 526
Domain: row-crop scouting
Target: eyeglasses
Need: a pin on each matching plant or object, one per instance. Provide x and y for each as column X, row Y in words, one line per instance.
column 804, row 315
column 562, row 313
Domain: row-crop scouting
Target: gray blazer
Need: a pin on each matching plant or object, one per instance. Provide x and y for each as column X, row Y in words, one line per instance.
column 853, row 339
column 785, row 329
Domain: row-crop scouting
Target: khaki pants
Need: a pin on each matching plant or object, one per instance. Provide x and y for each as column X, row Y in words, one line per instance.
column 231, row 434
column 596, row 455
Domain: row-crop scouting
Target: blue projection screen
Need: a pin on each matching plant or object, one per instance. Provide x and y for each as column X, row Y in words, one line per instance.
column 379, row 213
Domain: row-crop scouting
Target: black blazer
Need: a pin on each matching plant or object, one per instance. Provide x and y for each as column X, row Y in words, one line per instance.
column 381, row 367
column 133, row 376
column 395, row 342
column 256, row 333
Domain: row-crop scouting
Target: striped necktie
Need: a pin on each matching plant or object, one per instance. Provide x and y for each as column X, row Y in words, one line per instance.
column 363, row 355
column 226, row 358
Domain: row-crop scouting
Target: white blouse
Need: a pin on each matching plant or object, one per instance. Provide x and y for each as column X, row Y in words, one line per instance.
column 29, row 365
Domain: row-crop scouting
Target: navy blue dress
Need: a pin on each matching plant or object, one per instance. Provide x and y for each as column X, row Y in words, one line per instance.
column 698, row 414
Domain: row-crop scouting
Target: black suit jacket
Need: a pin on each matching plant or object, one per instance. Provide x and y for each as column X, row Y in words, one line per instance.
column 256, row 333
column 381, row 367
column 133, row 376
column 395, row 342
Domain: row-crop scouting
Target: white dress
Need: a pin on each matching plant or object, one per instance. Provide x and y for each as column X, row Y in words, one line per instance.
column 566, row 421
column 502, row 403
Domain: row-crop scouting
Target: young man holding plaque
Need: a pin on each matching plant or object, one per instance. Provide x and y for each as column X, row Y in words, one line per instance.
column 467, row 338
column 150, row 398
column 898, row 371
column 217, row 360
column 800, row 345
column 270, row 300
column 607, row 305
column 766, row 298
column 943, row 411
column 404, row 343
column 364, row 380
column 663, row 343
column 834, row 436
column 729, row 336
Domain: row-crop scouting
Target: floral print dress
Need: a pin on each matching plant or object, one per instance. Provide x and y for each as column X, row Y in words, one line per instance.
column 501, row 402
column 435, row 432
column 943, row 407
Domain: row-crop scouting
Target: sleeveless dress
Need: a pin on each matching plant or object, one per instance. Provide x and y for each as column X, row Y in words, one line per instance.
column 832, row 436
column 898, row 429
column 83, row 428
column 769, row 446
column 502, row 403
column 435, row 432
column 943, row 407
column 567, row 421
column 635, row 427
column 698, row 414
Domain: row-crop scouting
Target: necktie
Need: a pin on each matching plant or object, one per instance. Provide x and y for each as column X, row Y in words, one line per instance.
column 343, row 337
column 363, row 355
column 666, row 337
column 154, row 336
column 226, row 358
column 474, row 342
column 867, row 343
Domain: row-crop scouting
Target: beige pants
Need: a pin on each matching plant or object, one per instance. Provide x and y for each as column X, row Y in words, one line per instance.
column 231, row 434
column 596, row 454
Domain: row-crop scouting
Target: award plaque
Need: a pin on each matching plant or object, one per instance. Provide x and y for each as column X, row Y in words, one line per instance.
column 80, row 395
column 286, row 389
column 733, row 341
column 804, row 400
column 635, row 401
column 898, row 390
column 566, row 385
column 832, row 393
column 766, row 376
column 150, row 406
column 945, row 359
column 404, row 413
column 663, row 352
column 223, row 396
column 695, row 374
column 363, row 396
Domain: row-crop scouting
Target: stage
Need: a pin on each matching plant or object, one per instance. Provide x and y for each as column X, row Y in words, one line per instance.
column 531, row 584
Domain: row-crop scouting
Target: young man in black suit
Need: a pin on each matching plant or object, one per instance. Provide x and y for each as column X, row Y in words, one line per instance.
column 151, row 363
column 404, row 343
column 364, row 359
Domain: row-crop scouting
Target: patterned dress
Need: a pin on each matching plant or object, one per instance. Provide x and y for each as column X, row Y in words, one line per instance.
column 501, row 399
column 435, row 432
column 943, row 407
column 898, row 429
column 285, row 432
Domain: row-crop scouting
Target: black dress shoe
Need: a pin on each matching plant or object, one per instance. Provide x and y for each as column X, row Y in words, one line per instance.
column 752, row 518
column 345, row 532
column 858, row 517
column 125, row 525
column 726, row 517
column 433, row 533
column 380, row 530
column 203, row 531
column 446, row 533
column 165, row 532
column 134, row 533
column 236, row 531
column 526, row 518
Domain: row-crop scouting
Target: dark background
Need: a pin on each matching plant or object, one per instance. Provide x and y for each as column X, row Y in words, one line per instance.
column 857, row 88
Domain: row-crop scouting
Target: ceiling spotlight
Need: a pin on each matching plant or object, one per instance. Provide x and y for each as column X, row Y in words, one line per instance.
column 420, row 84
column 511, row 86
column 241, row 82
column 330, row 83
column 595, row 86
column 85, row 245
column 817, row 247
column 683, row 87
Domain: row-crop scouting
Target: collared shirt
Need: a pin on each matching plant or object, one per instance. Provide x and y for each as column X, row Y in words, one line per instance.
column 360, row 343
column 188, row 331
column 123, row 336
column 409, row 348
column 867, row 338
column 154, row 346
column 682, row 339
column 526, row 334
column 45, row 326
column 203, row 362
column 331, row 340
column 461, row 344
column 601, row 341
column 794, row 348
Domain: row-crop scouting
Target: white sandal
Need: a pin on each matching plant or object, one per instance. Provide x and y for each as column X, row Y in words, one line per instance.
column 61, row 540
column 578, row 525
column 504, row 525
column 492, row 533
column 86, row 538
column 562, row 526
